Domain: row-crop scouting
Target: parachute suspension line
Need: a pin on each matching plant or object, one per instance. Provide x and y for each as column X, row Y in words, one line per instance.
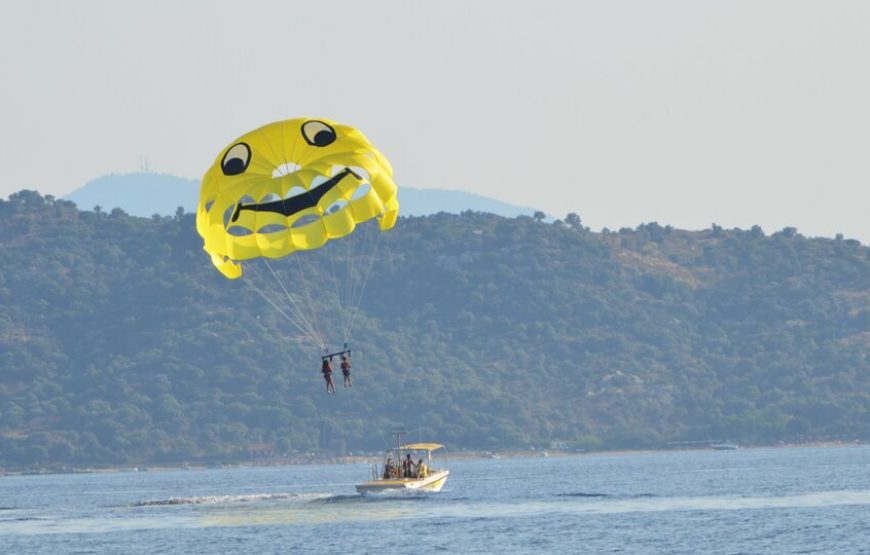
column 350, row 278
column 296, row 316
column 298, row 310
column 356, row 271
column 280, row 310
column 368, row 272
column 341, row 312
column 306, row 305
column 348, row 281
column 288, row 301
column 311, row 304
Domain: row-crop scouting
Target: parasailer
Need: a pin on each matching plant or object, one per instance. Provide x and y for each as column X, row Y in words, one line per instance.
column 345, row 369
column 294, row 186
column 326, row 369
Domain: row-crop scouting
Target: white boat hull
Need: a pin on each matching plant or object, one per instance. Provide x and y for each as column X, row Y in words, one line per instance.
column 433, row 482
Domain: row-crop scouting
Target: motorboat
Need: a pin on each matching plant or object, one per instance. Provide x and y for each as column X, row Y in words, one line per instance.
column 421, row 476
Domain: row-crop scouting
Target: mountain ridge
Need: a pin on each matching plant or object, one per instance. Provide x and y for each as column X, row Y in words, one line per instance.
column 147, row 193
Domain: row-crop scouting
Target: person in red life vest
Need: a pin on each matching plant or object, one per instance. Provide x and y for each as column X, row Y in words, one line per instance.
column 327, row 374
column 345, row 370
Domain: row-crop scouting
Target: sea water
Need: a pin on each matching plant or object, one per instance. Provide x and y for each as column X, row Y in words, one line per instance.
column 786, row 500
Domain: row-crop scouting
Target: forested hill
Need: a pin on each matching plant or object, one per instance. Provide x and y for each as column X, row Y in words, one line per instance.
column 120, row 343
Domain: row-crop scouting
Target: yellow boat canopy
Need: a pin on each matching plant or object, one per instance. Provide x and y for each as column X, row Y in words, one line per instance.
column 421, row 447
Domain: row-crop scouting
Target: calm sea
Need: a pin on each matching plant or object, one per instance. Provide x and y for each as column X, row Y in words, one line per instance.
column 803, row 500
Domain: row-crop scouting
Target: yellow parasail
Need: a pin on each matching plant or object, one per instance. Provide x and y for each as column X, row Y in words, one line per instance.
column 289, row 186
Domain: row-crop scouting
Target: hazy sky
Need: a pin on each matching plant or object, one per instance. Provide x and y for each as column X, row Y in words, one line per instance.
column 685, row 113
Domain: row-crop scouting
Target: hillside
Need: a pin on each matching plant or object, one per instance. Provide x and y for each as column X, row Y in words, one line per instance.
column 120, row 344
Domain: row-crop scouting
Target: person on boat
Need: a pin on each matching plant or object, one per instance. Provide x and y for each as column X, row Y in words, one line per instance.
column 345, row 370
column 388, row 468
column 327, row 374
column 422, row 469
column 408, row 467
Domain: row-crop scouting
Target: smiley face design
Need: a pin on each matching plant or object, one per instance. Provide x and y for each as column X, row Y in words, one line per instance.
column 289, row 186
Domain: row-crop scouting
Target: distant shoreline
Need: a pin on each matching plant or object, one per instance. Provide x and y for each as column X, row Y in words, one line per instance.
column 462, row 455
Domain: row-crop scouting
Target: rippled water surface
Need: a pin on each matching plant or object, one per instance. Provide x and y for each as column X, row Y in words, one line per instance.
column 748, row 501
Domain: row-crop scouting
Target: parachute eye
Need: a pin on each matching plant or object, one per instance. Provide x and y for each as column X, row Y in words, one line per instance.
column 236, row 159
column 317, row 133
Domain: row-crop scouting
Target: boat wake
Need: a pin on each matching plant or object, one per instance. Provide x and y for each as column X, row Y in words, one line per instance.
column 374, row 497
column 300, row 498
column 653, row 503
column 228, row 499
column 336, row 499
column 610, row 495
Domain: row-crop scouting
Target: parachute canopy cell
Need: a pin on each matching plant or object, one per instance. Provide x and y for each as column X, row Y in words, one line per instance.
column 289, row 186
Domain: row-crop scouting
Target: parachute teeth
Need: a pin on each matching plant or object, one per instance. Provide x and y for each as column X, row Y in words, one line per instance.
column 361, row 191
column 239, row 231
column 318, row 180
column 305, row 220
column 272, row 228
column 295, row 191
column 270, row 197
column 286, row 169
column 336, row 206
